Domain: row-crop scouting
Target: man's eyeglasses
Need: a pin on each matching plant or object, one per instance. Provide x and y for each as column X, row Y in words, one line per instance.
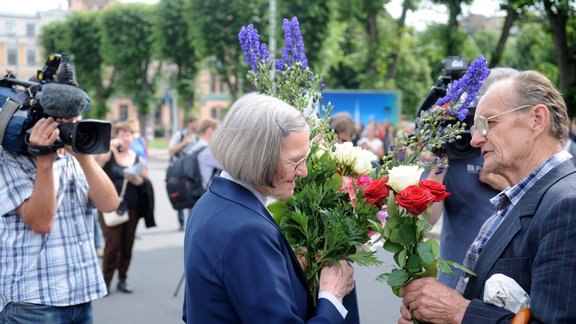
column 481, row 123
column 299, row 162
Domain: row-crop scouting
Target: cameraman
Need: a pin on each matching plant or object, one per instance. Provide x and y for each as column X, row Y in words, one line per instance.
column 468, row 207
column 50, row 272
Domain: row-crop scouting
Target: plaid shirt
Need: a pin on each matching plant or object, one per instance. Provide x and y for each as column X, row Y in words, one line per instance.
column 504, row 203
column 59, row 268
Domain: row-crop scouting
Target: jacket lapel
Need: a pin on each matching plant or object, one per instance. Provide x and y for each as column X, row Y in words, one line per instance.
column 235, row 192
column 510, row 226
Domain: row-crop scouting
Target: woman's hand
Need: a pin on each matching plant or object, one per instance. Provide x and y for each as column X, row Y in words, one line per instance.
column 337, row 279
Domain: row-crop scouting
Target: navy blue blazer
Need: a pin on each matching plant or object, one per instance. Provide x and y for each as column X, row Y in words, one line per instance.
column 239, row 267
column 534, row 245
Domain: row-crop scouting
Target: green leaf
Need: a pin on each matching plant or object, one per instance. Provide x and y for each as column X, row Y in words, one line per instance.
column 392, row 247
column 400, row 258
column 278, row 209
column 398, row 278
column 435, row 246
column 444, row 266
column 383, row 277
column 461, row 267
column 414, row 264
column 391, row 223
column 364, row 258
column 396, row 236
column 408, row 233
column 425, row 253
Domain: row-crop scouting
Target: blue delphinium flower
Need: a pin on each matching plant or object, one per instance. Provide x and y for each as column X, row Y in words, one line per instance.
column 250, row 45
column 293, row 50
column 469, row 84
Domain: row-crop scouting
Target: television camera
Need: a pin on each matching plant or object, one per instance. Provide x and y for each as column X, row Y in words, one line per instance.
column 53, row 93
column 454, row 68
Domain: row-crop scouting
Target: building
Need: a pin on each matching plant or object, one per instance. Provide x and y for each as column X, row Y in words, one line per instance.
column 20, row 51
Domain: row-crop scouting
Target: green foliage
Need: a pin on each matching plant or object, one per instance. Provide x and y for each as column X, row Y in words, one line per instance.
column 127, row 45
column 320, row 222
column 84, row 40
column 216, row 23
column 51, row 38
column 176, row 45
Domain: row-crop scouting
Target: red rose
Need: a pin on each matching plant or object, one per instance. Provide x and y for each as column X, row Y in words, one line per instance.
column 377, row 192
column 437, row 189
column 415, row 199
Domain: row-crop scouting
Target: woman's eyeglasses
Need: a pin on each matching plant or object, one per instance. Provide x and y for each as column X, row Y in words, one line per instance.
column 299, row 162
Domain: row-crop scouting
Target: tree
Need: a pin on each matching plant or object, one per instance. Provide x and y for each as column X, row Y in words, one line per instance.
column 453, row 35
column 560, row 15
column 83, row 41
column 177, row 46
column 216, row 24
column 127, row 45
column 51, row 40
column 407, row 5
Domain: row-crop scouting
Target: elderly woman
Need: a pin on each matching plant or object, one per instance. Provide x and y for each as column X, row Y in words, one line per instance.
column 239, row 266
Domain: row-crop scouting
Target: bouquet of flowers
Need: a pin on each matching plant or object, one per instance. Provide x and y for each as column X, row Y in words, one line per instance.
column 406, row 199
column 327, row 219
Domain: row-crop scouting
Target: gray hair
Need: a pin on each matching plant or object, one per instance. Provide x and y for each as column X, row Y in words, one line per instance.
column 533, row 88
column 248, row 143
column 496, row 74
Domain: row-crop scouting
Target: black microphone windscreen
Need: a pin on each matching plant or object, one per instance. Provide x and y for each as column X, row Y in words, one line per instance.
column 62, row 100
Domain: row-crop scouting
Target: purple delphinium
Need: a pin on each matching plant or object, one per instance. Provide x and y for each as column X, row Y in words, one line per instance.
column 250, row 45
column 470, row 84
column 293, row 50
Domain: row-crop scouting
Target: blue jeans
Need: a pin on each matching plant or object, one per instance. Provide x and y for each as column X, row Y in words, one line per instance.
column 26, row 313
column 97, row 231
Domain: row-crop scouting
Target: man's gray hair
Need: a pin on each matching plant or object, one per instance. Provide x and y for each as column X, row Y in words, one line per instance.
column 533, row 88
column 248, row 143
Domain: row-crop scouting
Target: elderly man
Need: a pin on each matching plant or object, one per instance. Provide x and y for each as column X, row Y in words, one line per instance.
column 519, row 126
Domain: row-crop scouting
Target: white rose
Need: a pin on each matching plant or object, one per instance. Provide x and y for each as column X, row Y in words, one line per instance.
column 364, row 158
column 403, row 176
column 344, row 153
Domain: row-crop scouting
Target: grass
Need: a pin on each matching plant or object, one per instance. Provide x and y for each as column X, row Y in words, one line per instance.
column 158, row 143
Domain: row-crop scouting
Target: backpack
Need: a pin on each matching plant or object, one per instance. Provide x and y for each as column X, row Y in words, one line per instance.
column 184, row 182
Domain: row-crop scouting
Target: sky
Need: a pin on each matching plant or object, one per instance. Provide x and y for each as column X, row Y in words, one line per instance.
column 430, row 13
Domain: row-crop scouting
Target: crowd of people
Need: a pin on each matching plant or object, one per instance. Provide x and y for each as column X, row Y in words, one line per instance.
column 509, row 215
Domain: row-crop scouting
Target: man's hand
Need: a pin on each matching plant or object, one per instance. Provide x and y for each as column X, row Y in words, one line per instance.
column 431, row 301
column 337, row 279
column 44, row 133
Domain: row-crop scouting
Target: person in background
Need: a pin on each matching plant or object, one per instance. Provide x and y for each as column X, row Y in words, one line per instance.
column 183, row 140
column 343, row 126
column 239, row 267
column 467, row 208
column 139, row 146
column 519, row 126
column 371, row 142
column 207, row 164
column 119, row 239
column 47, row 230
column 388, row 136
column 180, row 144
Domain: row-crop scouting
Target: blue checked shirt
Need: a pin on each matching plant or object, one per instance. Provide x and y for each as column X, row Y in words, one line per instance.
column 59, row 268
column 504, row 202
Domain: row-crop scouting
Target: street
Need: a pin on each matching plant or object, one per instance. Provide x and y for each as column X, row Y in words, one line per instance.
column 157, row 267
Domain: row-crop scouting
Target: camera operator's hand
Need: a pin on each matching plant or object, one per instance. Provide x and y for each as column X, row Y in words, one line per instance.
column 45, row 132
column 496, row 181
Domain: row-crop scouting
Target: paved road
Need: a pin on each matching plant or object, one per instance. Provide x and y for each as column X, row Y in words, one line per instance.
column 157, row 264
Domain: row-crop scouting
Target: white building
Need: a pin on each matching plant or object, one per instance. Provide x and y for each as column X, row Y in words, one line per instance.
column 20, row 51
